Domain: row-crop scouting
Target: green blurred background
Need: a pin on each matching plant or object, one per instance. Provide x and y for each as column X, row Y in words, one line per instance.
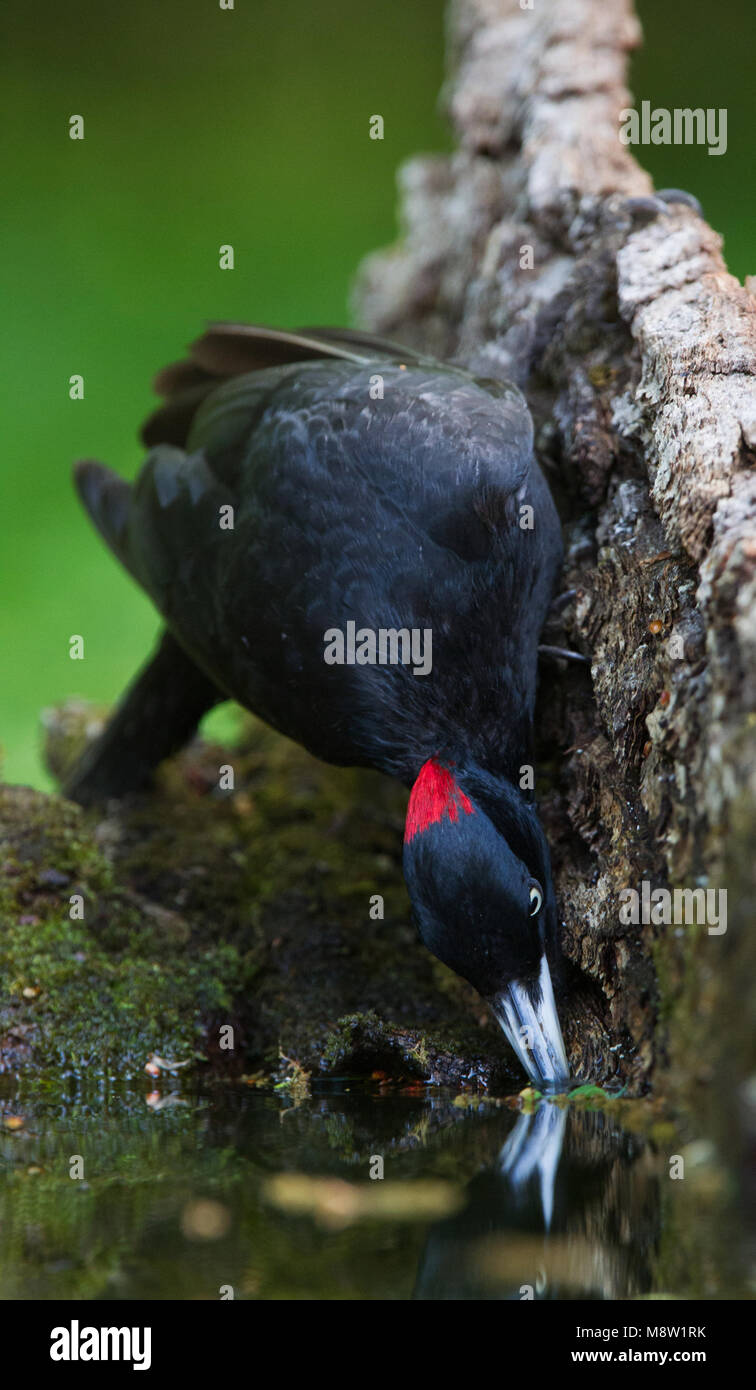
column 205, row 127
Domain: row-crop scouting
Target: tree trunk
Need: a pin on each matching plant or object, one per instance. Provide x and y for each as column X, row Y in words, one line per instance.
column 637, row 351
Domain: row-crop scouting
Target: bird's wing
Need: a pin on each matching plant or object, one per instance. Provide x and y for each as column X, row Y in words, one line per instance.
column 385, row 510
column 227, row 350
column 435, row 455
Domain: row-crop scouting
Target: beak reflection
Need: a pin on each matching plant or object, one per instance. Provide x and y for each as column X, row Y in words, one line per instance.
column 534, row 1149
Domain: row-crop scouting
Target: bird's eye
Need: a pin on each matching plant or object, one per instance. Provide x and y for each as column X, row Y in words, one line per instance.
column 536, row 900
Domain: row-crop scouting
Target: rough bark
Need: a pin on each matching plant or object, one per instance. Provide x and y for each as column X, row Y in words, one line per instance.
column 637, row 351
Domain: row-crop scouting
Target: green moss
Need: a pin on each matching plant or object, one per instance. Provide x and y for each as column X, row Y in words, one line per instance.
column 102, row 992
column 592, row 1093
column 206, row 909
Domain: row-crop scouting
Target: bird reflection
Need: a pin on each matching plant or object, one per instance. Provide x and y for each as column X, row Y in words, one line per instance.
column 570, row 1209
column 534, row 1148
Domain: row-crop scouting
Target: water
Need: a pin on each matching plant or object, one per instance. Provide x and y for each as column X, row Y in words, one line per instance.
column 197, row 1195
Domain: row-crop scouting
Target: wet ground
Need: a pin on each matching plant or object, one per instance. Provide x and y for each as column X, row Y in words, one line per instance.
column 127, row 1193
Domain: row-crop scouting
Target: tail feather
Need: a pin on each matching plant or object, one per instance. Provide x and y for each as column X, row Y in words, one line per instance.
column 107, row 498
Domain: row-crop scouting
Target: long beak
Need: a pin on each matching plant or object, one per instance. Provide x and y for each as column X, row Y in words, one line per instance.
column 528, row 1015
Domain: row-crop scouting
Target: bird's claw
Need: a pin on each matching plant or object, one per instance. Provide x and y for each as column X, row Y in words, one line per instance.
column 649, row 206
column 564, row 654
column 562, row 601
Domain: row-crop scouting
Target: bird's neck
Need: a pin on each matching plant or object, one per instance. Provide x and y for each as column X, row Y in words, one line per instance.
column 508, row 806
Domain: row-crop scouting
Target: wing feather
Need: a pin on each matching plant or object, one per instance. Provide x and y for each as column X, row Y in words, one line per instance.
column 227, row 350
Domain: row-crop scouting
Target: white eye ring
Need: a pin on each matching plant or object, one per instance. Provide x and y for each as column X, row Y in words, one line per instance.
column 536, row 899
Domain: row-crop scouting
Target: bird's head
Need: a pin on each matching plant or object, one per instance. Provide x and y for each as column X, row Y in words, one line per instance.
column 480, row 885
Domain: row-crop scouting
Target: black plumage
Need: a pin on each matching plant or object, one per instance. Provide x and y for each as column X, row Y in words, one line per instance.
column 372, row 486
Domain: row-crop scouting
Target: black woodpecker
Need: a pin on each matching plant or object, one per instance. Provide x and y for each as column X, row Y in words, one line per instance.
column 302, row 487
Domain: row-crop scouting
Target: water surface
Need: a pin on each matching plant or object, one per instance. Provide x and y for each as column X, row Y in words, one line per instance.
column 235, row 1192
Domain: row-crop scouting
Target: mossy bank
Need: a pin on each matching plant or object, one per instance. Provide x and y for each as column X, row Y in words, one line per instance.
column 233, row 928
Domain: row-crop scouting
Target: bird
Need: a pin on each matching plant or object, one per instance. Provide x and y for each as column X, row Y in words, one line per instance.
column 311, row 503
